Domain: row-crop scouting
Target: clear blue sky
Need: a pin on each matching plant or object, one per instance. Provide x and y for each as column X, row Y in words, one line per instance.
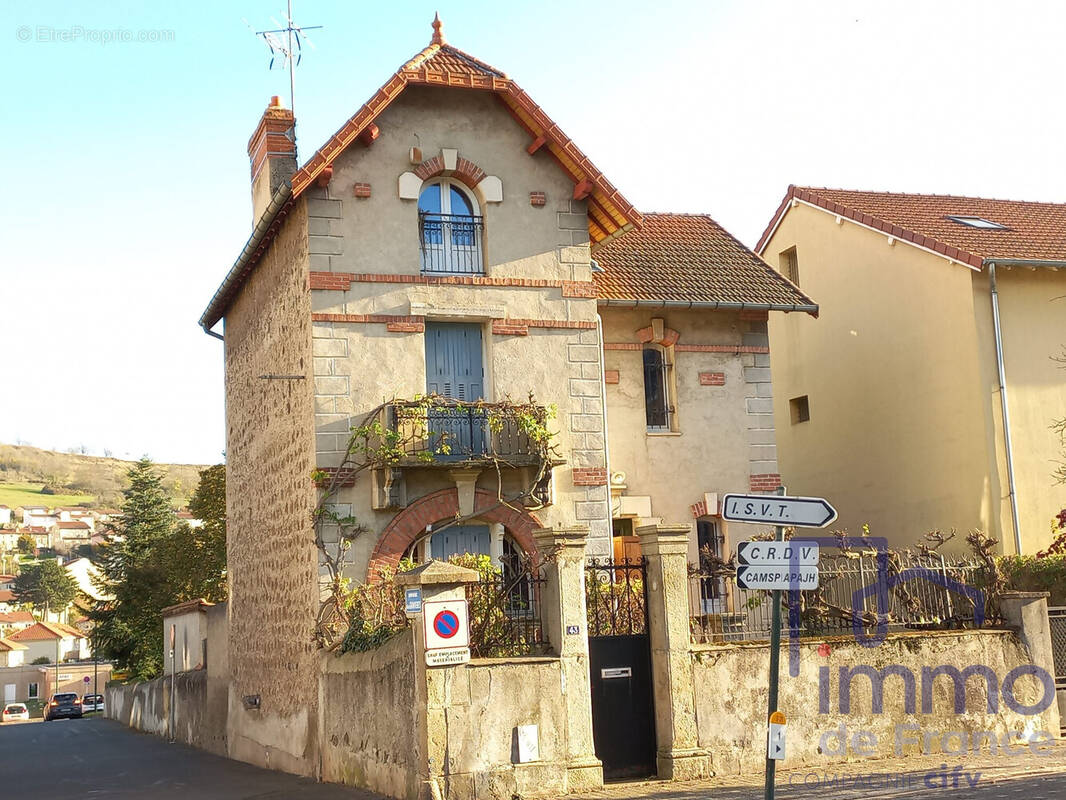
column 127, row 179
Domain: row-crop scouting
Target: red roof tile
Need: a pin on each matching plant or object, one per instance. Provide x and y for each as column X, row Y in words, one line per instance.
column 75, row 525
column 7, row 645
column 691, row 258
column 16, row 617
column 1034, row 231
column 6, row 596
column 41, row 631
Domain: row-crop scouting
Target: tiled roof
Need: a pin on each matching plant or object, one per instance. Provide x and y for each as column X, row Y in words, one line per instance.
column 6, row 596
column 441, row 64
column 691, row 258
column 75, row 525
column 15, row 617
column 41, row 631
column 1034, row 231
column 7, row 645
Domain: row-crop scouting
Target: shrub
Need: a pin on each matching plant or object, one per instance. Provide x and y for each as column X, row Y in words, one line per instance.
column 1036, row 574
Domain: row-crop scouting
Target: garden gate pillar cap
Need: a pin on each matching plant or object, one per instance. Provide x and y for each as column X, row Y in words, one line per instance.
column 548, row 540
column 1023, row 595
column 664, row 539
column 437, row 572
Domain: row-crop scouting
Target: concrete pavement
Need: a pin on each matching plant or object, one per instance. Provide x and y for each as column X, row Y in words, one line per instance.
column 99, row 758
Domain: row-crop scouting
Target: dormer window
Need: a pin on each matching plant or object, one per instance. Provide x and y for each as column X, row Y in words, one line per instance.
column 978, row 222
column 449, row 229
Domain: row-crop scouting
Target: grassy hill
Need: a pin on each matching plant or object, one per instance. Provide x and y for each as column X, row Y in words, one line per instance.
column 31, row 476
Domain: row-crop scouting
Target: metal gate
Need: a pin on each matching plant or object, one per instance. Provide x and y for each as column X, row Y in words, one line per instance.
column 623, row 720
column 1057, row 619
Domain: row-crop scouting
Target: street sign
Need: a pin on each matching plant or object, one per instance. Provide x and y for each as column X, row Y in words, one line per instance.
column 85, row 679
column 446, row 625
column 777, row 576
column 800, row 512
column 413, row 601
column 447, row 656
column 775, row 741
column 794, row 553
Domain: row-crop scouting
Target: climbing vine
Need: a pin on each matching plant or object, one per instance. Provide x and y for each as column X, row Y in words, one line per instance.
column 418, row 432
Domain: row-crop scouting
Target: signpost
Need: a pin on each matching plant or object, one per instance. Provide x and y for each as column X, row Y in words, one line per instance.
column 778, row 566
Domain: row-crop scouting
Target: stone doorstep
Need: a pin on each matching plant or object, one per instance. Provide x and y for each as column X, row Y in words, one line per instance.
column 998, row 769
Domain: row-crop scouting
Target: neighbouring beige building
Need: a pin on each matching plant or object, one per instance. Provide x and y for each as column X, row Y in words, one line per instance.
column 451, row 241
column 940, row 319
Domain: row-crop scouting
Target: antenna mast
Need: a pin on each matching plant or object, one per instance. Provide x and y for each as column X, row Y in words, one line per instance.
column 287, row 51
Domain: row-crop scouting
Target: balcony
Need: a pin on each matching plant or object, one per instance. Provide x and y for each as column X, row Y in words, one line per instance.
column 448, row 433
column 450, row 244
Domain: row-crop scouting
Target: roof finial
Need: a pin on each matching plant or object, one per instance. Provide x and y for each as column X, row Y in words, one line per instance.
column 438, row 30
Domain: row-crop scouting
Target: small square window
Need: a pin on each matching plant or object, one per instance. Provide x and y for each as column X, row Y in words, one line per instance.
column 978, row 222
column 34, row 691
column 800, row 409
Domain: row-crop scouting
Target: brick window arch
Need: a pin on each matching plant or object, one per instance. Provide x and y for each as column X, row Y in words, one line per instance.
column 411, row 523
column 465, row 171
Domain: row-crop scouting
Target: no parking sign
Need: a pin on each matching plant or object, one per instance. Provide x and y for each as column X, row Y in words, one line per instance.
column 447, row 631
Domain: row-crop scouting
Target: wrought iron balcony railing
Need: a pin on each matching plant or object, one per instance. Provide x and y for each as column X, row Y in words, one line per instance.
column 443, row 432
column 450, row 243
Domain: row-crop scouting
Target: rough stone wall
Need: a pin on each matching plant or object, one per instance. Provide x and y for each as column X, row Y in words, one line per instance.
column 269, row 500
column 730, row 684
column 368, row 719
column 480, row 706
column 146, row 706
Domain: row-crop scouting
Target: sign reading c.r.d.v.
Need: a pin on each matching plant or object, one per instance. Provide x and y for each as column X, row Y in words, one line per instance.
column 447, row 632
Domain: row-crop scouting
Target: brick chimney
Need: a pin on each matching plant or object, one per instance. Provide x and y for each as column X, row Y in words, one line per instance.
column 272, row 153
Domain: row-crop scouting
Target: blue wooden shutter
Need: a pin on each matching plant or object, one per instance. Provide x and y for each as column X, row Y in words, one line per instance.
column 453, row 361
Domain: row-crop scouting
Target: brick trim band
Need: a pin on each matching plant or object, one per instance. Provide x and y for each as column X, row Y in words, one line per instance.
column 342, row 281
column 386, row 318
column 734, row 349
column 411, row 523
column 767, row 482
column 590, row 476
column 611, row 376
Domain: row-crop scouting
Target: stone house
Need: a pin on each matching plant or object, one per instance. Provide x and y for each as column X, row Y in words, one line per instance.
column 923, row 396
column 12, row 654
column 450, row 240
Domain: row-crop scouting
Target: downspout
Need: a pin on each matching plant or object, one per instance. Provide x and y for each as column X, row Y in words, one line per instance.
column 606, row 439
column 1005, row 408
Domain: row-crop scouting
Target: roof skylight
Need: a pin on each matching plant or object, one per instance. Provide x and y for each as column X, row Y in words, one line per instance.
column 978, row 222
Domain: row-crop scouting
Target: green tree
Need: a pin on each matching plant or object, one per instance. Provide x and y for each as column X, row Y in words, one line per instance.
column 26, row 544
column 46, row 585
column 128, row 627
column 198, row 555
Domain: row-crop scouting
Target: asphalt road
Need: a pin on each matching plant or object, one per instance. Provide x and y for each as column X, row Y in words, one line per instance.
column 98, row 758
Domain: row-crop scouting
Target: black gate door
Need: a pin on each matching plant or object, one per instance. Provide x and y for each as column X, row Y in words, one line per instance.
column 623, row 721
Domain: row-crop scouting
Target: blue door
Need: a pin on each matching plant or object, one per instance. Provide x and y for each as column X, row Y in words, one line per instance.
column 454, row 369
column 459, row 539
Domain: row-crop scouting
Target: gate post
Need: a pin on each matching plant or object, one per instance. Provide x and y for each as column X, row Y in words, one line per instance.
column 438, row 580
column 678, row 754
column 1027, row 613
column 566, row 627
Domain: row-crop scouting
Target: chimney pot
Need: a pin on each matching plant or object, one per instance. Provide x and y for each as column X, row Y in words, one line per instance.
column 272, row 154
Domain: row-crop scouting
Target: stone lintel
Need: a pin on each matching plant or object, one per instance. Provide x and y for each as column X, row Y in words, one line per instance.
column 664, row 539
column 434, row 573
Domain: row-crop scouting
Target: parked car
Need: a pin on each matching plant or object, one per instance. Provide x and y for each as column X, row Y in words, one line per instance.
column 15, row 711
column 64, row 704
column 92, row 702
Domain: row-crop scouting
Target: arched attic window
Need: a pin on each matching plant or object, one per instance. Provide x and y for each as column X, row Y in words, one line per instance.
column 449, row 229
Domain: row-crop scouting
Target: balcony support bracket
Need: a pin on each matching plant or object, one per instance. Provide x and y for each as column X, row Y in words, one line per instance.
column 465, row 484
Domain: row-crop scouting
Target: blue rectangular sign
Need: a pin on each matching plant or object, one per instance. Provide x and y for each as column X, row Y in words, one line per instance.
column 413, row 600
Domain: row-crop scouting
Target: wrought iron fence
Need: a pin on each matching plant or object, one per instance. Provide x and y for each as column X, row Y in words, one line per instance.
column 446, row 431
column 1057, row 620
column 722, row 611
column 505, row 613
column 450, row 243
column 615, row 599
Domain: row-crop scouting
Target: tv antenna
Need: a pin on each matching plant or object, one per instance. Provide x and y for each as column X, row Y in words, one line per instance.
column 286, row 48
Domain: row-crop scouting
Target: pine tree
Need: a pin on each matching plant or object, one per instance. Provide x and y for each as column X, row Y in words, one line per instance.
column 128, row 627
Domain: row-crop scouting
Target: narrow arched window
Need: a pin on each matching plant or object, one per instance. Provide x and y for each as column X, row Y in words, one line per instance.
column 449, row 228
column 658, row 403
